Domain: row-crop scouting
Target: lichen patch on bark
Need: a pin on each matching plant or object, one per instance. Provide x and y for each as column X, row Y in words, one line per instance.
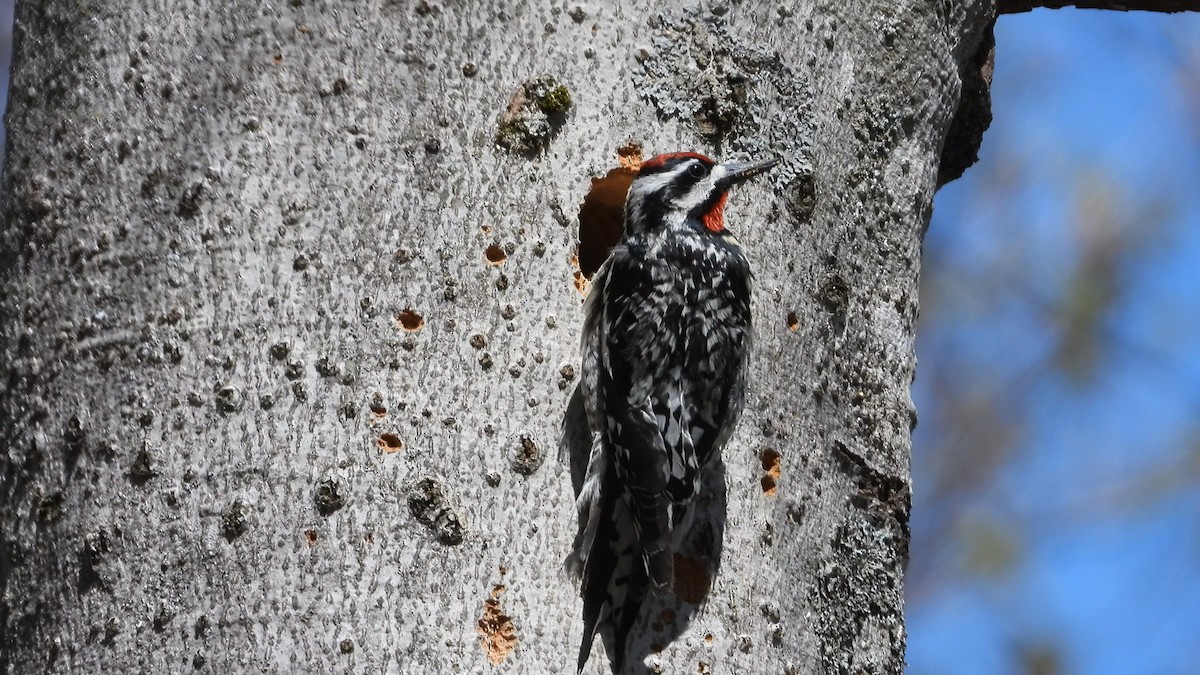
column 728, row 88
column 432, row 507
column 535, row 114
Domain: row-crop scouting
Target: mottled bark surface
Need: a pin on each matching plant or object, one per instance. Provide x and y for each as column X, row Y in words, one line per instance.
column 287, row 334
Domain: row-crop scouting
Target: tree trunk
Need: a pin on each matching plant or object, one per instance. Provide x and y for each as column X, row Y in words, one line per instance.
column 289, row 318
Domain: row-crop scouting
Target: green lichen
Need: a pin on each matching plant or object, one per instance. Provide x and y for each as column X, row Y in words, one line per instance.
column 802, row 195
column 534, row 116
column 556, row 101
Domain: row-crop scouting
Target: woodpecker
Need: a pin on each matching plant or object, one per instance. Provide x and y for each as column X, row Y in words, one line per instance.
column 666, row 345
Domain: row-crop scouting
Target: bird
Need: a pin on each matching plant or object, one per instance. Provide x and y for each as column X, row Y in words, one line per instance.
column 666, row 343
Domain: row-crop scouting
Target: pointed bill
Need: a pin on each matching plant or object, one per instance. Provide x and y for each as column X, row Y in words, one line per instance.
column 732, row 173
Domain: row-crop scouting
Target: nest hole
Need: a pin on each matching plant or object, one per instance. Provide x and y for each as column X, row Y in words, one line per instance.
column 602, row 213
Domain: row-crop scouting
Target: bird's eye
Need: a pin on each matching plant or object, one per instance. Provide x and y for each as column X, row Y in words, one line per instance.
column 697, row 170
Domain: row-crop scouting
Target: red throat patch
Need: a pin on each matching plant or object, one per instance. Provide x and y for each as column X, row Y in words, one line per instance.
column 714, row 220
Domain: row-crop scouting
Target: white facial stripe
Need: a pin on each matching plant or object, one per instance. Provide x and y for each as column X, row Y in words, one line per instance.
column 654, row 182
column 648, row 185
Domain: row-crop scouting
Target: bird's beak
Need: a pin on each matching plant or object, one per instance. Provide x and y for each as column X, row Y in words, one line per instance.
column 737, row 172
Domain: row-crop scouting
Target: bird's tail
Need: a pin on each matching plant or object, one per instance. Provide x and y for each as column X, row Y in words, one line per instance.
column 614, row 583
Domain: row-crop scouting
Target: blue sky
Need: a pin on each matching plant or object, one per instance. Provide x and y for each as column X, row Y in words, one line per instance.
column 1097, row 509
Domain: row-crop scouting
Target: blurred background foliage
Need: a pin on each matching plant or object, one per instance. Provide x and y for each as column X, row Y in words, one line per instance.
column 1056, row 516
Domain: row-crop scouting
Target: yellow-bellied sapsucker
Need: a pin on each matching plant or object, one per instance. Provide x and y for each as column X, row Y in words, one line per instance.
column 666, row 346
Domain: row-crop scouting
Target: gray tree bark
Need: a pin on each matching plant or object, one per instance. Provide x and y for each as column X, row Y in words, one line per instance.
column 289, row 319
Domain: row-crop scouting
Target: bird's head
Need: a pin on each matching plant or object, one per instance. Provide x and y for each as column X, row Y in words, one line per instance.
column 684, row 187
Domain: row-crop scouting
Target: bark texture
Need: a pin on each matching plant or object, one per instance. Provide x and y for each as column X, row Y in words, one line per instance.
column 289, row 319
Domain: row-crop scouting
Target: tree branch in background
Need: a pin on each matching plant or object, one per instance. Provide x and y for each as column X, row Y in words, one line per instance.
column 1015, row 6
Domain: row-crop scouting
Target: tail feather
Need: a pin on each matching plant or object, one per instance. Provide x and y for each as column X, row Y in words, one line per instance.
column 651, row 521
column 597, row 558
column 623, row 546
column 625, row 614
column 614, row 578
column 597, row 606
column 592, row 509
column 615, row 574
